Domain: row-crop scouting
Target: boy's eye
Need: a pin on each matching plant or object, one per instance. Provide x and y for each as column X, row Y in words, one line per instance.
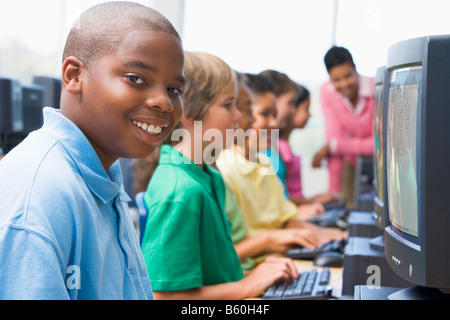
column 135, row 79
column 175, row 91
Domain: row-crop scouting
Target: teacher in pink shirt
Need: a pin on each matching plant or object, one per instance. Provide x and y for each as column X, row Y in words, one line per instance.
column 347, row 102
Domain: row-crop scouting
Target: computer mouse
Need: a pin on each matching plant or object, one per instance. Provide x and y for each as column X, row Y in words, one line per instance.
column 329, row 259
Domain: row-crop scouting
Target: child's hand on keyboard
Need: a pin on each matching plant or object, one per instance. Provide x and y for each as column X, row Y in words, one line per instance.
column 330, row 234
column 328, row 197
column 309, row 210
column 279, row 241
column 267, row 273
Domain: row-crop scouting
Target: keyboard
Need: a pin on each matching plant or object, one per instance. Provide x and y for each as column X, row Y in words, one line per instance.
column 333, row 218
column 310, row 285
column 303, row 253
column 333, row 205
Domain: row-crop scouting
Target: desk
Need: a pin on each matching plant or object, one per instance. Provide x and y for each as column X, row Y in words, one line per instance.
column 335, row 275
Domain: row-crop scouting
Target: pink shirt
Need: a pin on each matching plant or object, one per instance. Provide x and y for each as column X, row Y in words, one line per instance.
column 293, row 172
column 348, row 129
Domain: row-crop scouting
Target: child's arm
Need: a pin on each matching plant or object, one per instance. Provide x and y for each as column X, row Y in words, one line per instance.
column 355, row 146
column 275, row 241
column 322, row 198
column 324, row 234
column 253, row 285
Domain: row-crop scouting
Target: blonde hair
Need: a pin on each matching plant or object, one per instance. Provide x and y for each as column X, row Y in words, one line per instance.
column 206, row 75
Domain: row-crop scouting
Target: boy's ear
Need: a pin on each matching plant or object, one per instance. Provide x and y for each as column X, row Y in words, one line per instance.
column 71, row 72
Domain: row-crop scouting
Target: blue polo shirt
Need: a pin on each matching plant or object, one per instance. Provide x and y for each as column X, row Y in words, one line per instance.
column 65, row 228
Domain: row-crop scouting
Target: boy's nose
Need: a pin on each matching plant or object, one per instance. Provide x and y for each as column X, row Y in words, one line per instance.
column 160, row 100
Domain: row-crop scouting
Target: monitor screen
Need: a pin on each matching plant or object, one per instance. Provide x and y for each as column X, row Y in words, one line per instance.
column 402, row 151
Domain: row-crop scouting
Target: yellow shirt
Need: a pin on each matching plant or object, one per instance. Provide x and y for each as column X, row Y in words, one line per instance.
column 258, row 190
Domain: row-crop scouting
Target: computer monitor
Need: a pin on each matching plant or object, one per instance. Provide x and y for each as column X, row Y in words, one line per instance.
column 33, row 103
column 417, row 235
column 363, row 191
column 379, row 181
column 10, row 106
column 11, row 114
column 52, row 90
column 378, row 154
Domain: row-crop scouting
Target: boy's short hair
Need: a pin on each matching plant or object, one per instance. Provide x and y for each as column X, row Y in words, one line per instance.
column 206, row 75
column 100, row 29
column 260, row 84
column 302, row 94
column 337, row 56
column 281, row 81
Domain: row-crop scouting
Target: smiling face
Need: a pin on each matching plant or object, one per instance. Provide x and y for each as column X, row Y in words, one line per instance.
column 345, row 80
column 286, row 108
column 302, row 114
column 223, row 115
column 129, row 100
column 244, row 105
column 264, row 112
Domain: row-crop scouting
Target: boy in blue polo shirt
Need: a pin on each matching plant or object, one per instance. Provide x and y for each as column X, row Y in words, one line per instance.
column 65, row 229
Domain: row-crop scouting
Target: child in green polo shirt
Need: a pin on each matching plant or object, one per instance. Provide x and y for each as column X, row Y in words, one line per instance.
column 187, row 244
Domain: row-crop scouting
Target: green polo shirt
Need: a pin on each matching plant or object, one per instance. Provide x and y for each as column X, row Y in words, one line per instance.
column 187, row 242
column 238, row 229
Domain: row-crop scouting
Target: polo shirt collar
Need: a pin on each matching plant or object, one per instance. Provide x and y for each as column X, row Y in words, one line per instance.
column 245, row 166
column 169, row 155
column 105, row 185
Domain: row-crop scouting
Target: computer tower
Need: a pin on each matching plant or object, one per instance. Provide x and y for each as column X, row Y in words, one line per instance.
column 359, row 259
column 52, row 93
column 33, row 103
column 11, row 111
